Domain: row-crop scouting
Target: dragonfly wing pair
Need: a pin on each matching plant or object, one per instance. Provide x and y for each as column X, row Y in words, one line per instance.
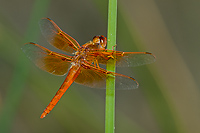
column 59, row 64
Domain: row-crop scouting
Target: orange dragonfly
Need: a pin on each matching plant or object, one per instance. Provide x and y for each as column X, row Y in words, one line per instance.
column 83, row 66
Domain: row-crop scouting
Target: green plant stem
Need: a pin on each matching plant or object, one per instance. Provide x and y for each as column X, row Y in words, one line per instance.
column 16, row 88
column 110, row 83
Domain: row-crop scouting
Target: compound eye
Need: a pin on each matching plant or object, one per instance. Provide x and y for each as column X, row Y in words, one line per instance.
column 96, row 40
column 103, row 41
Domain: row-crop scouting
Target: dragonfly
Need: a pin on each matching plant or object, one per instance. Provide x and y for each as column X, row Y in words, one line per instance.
column 81, row 63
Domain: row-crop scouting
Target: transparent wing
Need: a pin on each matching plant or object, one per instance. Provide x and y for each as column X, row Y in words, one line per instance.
column 129, row 59
column 56, row 37
column 123, row 59
column 95, row 77
column 47, row 60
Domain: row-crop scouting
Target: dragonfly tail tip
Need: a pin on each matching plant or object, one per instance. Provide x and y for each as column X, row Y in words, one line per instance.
column 42, row 116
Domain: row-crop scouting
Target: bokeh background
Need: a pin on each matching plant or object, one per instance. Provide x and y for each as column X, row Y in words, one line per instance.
column 167, row 100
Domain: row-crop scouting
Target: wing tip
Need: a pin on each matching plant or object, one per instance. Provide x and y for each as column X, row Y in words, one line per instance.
column 135, row 86
column 30, row 43
column 46, row 18
column 150, row 54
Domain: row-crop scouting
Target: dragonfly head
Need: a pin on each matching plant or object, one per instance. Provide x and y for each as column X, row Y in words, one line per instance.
column 101, row 41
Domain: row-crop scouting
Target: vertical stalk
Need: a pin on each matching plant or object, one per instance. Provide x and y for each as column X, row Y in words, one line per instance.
column 110, row 83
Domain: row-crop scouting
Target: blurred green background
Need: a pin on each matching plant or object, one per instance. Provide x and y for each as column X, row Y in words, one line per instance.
column 167, row 100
